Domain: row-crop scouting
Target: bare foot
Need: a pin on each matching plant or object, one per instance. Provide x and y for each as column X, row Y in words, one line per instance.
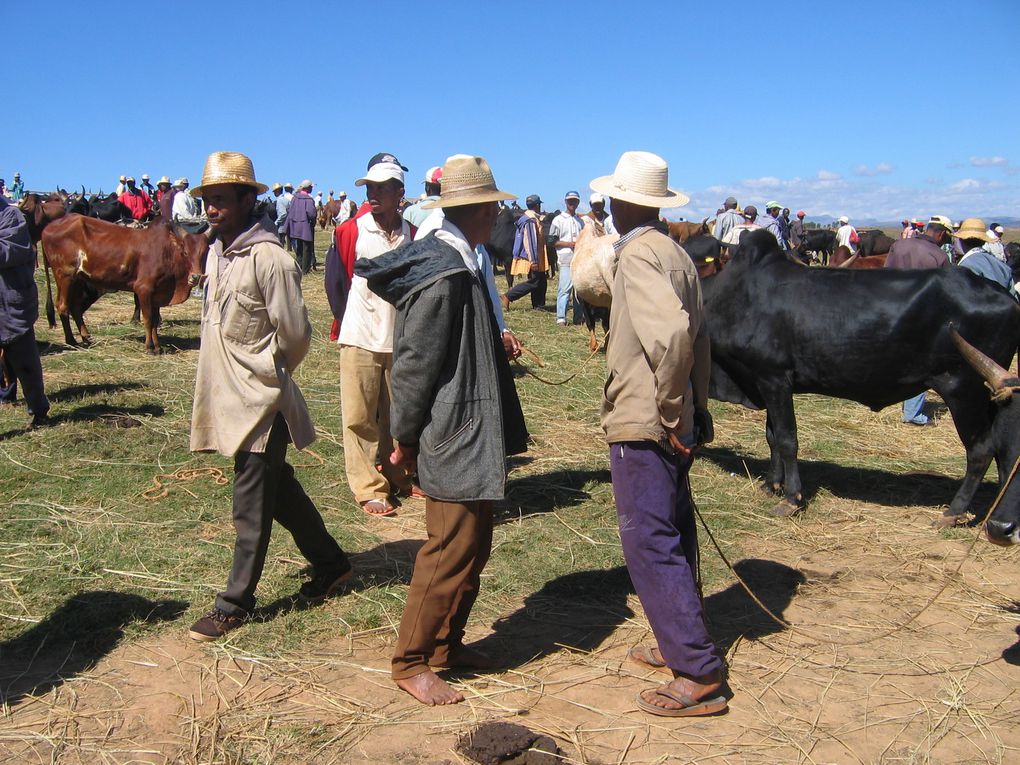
column 429, row 688
column 378, row 507
column 698, row 690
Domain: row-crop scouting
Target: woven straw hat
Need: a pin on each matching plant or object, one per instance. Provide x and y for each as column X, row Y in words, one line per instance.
column 467, row 180
column 164, row 179
column 641, row 178
column 973, row 228
column 228, row 167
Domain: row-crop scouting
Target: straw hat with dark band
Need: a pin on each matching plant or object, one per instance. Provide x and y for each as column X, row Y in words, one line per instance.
column 467, row 180
column 640, row 178
column 228, row 167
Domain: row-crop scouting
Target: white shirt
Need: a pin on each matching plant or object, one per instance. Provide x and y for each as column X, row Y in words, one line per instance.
column 368, row 320
column 185, row 207
column 843, row 237
column 565, row 227
column 345, row 211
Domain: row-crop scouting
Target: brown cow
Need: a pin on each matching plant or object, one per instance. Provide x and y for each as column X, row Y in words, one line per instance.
column 681, row 231
column 40, row 212
column 160, row 264
column 328, row 212
column 842, row 258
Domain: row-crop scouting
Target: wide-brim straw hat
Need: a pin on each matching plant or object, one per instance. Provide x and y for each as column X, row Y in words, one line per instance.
column 467, row 180
column 228, row 167
column 973, row 228
column 164, row 179
column 641, row 178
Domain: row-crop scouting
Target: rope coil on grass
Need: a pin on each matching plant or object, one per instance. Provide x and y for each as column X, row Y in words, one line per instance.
column 159, row 489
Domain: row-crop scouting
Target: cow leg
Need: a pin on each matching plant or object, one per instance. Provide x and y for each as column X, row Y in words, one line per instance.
column 782, row 422
column 967, row 401
column 150, row 318
column 137, row 315
column 77, row 296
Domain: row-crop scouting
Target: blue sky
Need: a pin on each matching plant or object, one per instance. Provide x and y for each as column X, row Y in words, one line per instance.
column 873, row 109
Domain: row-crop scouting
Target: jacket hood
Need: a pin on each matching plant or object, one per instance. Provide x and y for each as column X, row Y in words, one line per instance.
column 260, row 230
column 398, row 274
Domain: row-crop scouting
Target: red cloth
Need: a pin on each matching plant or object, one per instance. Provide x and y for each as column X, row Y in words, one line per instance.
column 138, row 203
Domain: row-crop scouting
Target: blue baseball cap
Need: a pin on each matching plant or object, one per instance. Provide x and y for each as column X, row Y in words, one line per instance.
column 573, row 195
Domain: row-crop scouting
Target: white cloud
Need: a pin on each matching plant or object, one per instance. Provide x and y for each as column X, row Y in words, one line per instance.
column 828, row 175
column 989, row 161
column 864, row 197
column 967, row 184
column 879, row 169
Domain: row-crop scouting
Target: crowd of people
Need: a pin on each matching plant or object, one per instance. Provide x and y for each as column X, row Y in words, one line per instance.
column 429, row 405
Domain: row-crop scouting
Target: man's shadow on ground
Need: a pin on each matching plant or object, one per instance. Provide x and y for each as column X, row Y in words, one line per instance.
column 582, row 609
column 73, row 639
column 386, row 563
column 113, row 416
column 546, row 492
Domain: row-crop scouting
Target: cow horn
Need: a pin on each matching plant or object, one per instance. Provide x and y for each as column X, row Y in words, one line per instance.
column 849, row 261
column 985, row 366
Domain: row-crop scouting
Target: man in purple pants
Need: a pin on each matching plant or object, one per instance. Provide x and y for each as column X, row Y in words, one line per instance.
column 654, row 412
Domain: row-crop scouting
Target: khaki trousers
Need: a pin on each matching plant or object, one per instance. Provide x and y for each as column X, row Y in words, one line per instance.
column 444, row 585
column 365, row 409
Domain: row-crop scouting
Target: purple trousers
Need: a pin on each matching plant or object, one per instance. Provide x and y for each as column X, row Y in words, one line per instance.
column 660, row 545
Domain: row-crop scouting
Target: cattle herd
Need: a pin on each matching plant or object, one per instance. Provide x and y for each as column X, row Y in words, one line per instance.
column 777, row 328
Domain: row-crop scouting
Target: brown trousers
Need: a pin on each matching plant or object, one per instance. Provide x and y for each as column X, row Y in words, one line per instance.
column 444, row 585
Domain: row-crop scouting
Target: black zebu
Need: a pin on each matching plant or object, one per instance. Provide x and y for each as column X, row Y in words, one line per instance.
column 876, row 337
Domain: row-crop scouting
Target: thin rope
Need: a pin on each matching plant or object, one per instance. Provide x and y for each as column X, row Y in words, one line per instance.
column 584, row 363
column 896, row 628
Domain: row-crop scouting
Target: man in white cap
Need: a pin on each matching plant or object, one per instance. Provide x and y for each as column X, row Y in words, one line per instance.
column 348, row 209
column 654, row 412
column 846, row 235
column 456, row 417
column 597, row 217
column 280, row 219
column 770, row 222
column 121, row 186
column 566, row 227
column 416, row 214
column 994, row 244
column 185, row 208
column 366, row 342
column 300, row 225
column 136, row 200
column 147, row 186
column 255, row 333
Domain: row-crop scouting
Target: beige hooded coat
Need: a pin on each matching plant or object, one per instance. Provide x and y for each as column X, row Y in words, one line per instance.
column 255, row 332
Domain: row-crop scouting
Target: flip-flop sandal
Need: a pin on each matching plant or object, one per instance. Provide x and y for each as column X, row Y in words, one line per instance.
column 645, row 656
column 386, row 508
column 688, row 707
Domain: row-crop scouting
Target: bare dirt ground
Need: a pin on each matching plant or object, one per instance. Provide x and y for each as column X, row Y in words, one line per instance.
column 869, row 673
column 942, row 689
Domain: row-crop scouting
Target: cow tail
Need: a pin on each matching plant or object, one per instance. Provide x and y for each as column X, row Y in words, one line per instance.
column 51, row 315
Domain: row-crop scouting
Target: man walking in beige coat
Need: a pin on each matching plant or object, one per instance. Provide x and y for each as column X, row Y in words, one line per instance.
column 255, row 332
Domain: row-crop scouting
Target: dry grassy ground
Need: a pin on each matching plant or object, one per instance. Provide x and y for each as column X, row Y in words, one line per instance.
column 98, row 585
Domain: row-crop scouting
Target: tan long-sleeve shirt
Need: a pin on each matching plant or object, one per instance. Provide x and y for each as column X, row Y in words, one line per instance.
column 658, row 359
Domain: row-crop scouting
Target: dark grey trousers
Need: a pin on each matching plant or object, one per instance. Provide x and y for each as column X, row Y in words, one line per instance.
column 266, row 489
column 305, row 253
column 21, row 357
